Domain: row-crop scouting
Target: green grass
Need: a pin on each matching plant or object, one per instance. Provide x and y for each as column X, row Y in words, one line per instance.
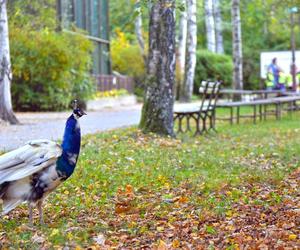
column 159, row 168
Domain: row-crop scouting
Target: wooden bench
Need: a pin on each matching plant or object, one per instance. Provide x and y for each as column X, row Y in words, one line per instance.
column 262, row 106
column 209, row 92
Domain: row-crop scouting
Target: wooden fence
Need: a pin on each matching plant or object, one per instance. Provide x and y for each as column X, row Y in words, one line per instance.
column 109, row 82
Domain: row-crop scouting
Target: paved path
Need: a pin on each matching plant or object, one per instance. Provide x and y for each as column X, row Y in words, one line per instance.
column 51, row 125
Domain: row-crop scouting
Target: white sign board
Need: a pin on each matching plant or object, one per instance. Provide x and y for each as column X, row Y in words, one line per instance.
column 284, row 61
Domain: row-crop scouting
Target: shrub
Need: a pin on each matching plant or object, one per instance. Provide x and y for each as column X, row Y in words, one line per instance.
column 127, row 59
column 49, row 68
column 111, row 93
column 211, row 66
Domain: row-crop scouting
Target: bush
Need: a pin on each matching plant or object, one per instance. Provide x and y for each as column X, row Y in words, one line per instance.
column 211, row 66
column 49, row 69
column 127, row 60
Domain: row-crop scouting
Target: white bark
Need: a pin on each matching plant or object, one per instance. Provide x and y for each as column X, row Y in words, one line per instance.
column 139, row 34
column 218, row 27
column 182, row 39
column 237, row 45
column 6, row 112
column 210, row 25
column 191, row 46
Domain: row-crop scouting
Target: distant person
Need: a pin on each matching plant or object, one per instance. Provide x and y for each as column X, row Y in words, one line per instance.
column 270, row 81
column 282, row 81
column 274, row 69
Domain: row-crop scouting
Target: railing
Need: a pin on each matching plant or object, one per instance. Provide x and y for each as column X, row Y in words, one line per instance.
column 109, row 82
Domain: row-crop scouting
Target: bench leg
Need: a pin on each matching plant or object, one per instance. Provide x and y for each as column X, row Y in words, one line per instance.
column 180, row 118
column 265, row 112
column 204, row 123
column 238, row 115
column 213, row 120
column 260, row 112
column 231, row 115
column 188, row 127
column 254, row 114
column 198, row 130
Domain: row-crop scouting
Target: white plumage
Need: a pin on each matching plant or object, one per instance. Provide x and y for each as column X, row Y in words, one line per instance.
column 17, row 166
column 29, row 159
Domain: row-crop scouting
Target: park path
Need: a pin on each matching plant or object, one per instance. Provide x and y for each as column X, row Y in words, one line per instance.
column 50, row 125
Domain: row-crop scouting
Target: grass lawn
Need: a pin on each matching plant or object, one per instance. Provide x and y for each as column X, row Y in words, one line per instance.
column 229, row 190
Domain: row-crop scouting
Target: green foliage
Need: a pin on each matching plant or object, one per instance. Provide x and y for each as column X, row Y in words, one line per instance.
column 127, row 59
column 35, row 14
column 49, row 69
column 211, row 66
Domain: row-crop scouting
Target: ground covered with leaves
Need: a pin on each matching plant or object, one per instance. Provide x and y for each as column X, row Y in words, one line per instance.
column 238, row 189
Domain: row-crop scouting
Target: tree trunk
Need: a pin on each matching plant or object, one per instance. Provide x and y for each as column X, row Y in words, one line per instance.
column 157, row 113
column 191, row 47
column 139, row 34
column 218, row 26
column 210, row 25
column 182, row 35
column 237, row 45
column 6, row 112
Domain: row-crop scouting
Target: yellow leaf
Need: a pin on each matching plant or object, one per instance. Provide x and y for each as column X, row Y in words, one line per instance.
column 176, row 243
column 66, row 192
column 69, row 236
column 162, row 245
column 292, row 236
column 54, row 232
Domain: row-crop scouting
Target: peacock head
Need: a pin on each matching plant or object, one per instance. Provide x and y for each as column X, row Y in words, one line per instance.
column 77, row 111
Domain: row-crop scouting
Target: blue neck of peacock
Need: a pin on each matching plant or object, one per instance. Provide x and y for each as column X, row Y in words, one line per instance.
column 71, row 141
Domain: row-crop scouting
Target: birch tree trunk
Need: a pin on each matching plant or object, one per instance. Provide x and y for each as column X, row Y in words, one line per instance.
column 218, row 27
column 139, row 33
column 182, row 44
column 6, row 112
column 210, row 25
column 237, row 45
column 191, row 46
column 157, row 113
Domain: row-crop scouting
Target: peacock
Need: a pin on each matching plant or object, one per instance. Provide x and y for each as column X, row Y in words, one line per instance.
column 30, row 173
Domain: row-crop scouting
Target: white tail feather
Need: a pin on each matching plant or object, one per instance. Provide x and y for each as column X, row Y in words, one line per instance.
column 28, row 160
column 9, row 205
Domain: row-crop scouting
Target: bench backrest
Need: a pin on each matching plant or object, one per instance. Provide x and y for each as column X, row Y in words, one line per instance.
column 210, row 92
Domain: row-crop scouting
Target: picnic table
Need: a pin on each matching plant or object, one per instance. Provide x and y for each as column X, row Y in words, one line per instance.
column 263, row 94
column 261, row 105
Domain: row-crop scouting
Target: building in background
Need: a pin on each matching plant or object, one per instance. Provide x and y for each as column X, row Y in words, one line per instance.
column 91, row 16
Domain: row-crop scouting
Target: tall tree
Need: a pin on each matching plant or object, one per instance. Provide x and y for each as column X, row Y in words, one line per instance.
column 6, row 112
column 191, row 47
column 210, row 25
column 157, row 113
column 237, row 45
column 138, row 25
column 218, row 27
column 182, row 35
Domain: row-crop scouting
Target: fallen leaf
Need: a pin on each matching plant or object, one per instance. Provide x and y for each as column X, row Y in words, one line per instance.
column 100, row 239
column 162, row 245
column 292, row 236
column 38, row 239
